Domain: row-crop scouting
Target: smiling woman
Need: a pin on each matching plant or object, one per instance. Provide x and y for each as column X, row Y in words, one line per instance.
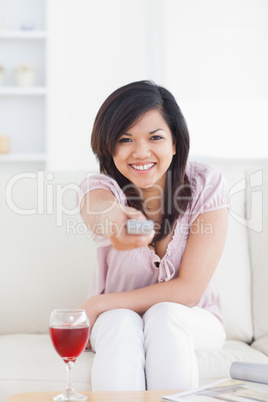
column 144, row 109
column 153, row 297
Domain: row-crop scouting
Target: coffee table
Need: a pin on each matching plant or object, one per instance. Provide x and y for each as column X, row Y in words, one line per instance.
column 115, row 396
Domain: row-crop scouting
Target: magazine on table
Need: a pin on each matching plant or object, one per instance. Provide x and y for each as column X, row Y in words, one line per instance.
column 248, row 382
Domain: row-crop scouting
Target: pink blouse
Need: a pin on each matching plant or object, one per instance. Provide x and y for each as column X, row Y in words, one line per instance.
column 119, row 271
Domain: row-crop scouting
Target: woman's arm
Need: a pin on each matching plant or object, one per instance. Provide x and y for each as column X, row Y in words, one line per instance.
column 202, row 253
column 104, row 216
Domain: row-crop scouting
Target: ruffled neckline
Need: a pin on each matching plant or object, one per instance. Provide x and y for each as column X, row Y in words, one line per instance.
column 165, row 266
column 173, row 245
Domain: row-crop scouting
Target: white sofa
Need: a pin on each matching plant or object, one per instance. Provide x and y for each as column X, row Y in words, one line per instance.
column 47, row 257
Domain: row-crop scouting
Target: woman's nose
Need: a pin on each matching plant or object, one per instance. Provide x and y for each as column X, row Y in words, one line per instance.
column 142, row 150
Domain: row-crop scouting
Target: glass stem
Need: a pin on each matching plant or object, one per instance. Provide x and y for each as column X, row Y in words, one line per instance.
column 69, row 387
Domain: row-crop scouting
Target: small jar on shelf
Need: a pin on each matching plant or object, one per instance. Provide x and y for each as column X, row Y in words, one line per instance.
column 25, row 75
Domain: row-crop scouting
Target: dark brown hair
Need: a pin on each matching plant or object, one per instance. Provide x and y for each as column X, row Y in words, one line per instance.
column 121, row 110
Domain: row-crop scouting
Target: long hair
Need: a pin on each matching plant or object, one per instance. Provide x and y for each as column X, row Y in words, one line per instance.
column 121, row 110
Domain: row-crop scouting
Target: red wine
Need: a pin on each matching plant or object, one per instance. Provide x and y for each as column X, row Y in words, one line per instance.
column 69, row 342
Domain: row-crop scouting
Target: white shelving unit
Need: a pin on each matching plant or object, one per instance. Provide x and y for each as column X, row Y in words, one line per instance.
column 23, row 40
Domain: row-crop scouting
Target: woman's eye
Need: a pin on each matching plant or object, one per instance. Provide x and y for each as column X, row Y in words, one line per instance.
column 122, row 140
column 156, row 137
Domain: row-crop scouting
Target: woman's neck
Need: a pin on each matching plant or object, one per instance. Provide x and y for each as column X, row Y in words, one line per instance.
column 153, row 201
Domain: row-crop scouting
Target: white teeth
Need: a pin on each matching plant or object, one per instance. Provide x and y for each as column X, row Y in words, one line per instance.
column 143, row 167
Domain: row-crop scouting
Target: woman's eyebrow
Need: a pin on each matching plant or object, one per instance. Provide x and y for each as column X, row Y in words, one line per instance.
column 130, row 135
column 154, row 131
column 150, row 132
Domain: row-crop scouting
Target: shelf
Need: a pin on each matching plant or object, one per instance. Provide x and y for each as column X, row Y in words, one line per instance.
column 25, row 91
column 20, row 34
column 23, row 109
column 7, row 158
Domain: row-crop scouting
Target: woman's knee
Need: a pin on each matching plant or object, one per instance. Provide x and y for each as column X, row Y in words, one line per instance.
column 119, row 318
column 119, row 324
column 166, row 313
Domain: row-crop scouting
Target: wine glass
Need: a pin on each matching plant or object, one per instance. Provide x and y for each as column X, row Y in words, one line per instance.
column 69, row 332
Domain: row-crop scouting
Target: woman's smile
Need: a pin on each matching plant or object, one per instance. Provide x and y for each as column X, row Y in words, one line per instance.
column 142, row 167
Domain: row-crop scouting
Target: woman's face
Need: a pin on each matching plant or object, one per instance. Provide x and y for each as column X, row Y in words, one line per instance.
column 144, row 153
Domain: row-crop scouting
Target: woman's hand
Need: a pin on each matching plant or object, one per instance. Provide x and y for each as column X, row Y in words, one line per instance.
column 92, row 308
column 103, row 214
column 119, row 237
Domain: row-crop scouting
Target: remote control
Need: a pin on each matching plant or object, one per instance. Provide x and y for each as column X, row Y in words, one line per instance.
column 135, row 226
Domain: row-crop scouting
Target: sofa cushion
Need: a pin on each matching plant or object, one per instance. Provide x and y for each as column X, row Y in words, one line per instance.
column 261, row 345
column 46, row 254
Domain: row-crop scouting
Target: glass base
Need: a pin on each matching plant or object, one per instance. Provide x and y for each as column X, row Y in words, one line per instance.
column 70, row 396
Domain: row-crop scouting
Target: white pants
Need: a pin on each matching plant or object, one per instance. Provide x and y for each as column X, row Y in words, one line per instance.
column 155, row 351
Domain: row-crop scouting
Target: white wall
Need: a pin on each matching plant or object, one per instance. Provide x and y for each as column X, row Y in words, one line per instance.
column 95, row 47
column 212, row 54
column 217, row 67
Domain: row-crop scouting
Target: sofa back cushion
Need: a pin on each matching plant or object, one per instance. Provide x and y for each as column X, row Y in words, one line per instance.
column 46, row 254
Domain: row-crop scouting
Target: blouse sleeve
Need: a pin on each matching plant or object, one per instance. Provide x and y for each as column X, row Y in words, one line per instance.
column 209, row 190
column 100, row 181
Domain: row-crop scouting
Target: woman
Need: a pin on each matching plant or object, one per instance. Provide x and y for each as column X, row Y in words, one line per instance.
column 152, row 302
